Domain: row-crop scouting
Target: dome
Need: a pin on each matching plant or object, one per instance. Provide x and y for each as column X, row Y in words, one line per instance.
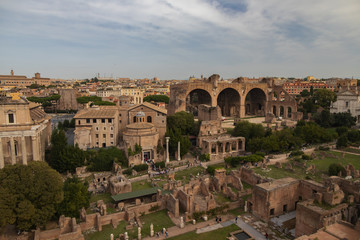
column 140, row 114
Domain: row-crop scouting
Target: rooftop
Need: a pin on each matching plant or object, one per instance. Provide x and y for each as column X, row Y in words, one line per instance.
column 96, row 113
column 279, row 183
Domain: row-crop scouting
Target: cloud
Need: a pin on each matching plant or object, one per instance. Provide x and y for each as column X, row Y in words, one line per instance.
column 241, row 30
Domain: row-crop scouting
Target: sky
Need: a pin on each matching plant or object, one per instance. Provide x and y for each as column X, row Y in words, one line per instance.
column 175, row 39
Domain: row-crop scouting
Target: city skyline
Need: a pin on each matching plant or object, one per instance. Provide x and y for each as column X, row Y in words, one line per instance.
column 176, row 39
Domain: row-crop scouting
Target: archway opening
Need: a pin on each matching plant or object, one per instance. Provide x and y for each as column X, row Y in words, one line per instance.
column 229, row 102
column 289, row 112
column 255, row 102
column 281, row 111
column 274, row 110
column 195, row 98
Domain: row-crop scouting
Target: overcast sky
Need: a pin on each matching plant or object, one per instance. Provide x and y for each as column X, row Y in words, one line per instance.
column 173, row 39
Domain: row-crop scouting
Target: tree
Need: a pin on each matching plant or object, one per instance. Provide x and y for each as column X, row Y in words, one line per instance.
column 324, row 97
column 29, row 194
column 156, row 98
column 305, row 93
column 63, row 157
column 324, row 119
column 183, row 121
column 248, row 130
column 342, row 142
column 175, row 137
column 104, row 159
column 344, row 119
column 335, row 169
column 76, row 196
column 353, row 135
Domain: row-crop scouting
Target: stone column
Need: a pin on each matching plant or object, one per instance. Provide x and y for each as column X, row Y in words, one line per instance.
column 224, row 149
column 167, row 149
column 151, row 230
column 182, row 222
column 217, row 148
column 12, row 148
column 126, row 236
column 2, row 163
column 210, row 147
column 23, row 150
column 35, row 148
column 111, row 236
column 237, row 146
column 179, row 157
column 139, row 233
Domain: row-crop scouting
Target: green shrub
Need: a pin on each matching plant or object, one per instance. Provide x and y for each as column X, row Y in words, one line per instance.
column 160, row 164
column 342, row 142
column 204, row 157
column 140, row 167
column 127, row 171
column 322, row 148
column 306, row 157
column 211, row 170
column 297, row 153
column 260, row 154
column 335, row 169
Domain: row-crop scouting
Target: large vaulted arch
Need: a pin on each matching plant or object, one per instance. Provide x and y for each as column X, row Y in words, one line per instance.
column 229, row 102
column 255, row 102
column 195, row 98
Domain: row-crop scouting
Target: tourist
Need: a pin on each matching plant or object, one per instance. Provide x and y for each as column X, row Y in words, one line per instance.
column 166, row 234
column 266, row 236
column 216, row 219
column 236, row 219
column 220, row 219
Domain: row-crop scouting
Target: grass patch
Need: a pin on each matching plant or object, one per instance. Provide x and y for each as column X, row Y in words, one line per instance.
column 246, row 197
column 221, row 199
column 323, row 164
column 140, row 185
column 106, row 197
column 352, row 150
column 194, row 171
column 236, row 211
column 221, row 233
column 158, row 219
column 246, row 185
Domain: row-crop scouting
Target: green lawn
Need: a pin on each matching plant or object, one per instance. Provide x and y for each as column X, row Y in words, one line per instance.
column 106, row 197
column 352, row 150
column 221, row 199
column 236, row 211
column 221, row 233
column 158, row 219
column 194, row 171
column 140, row 185
column 321, row 164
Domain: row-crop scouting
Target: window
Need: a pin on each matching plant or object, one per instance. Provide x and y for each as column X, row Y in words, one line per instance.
column 104, row 128
column 97, row 135
column 134, row 119
column 285, row 208
column 110, row 120
column 347, row 104
column 97, row 143
column 112, row 143
column 104, row 135
column 16, row 149
column 103, row 120
column 272, row 211
column 94, row 120
column 11, row 118
column 111, row 128
column 149, row 119
column 79, row 122
column 87, row 120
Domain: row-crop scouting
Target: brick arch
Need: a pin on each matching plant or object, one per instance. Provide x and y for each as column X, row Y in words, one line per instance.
column 255, row 101
column 195, row 97
column 229, row 101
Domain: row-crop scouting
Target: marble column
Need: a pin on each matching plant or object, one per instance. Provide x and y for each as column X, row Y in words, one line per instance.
column 167, row 149
column 178, row 158
column 2, row 163
column 237, row 146
column 35, row 148
column 23, row 150
column 12, row 149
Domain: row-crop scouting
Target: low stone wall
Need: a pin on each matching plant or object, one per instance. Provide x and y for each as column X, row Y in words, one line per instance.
column 248, row 176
